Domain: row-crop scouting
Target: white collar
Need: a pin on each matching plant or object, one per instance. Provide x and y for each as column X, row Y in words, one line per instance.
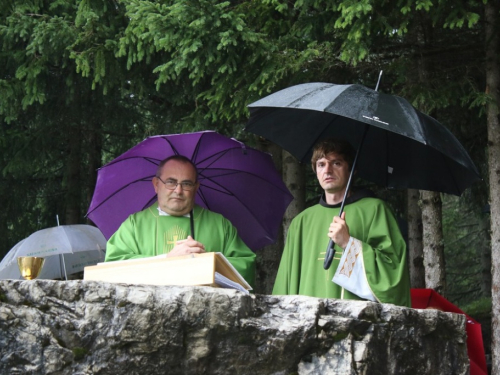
column 163, row 213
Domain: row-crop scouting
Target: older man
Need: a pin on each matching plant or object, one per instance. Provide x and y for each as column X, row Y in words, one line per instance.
column 374, row 263
column 167, row 227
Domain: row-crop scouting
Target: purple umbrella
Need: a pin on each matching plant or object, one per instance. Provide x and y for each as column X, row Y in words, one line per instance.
column 236, row 181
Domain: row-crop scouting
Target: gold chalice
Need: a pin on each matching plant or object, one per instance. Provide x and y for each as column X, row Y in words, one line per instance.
column 30, row 267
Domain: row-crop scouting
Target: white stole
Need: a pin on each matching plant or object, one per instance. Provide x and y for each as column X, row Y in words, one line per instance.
column 350, row 273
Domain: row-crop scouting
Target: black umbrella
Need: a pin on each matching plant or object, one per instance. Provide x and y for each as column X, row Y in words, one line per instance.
column 398, row 146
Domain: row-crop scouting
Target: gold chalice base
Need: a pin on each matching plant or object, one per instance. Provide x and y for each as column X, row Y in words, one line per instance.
column 30, row 267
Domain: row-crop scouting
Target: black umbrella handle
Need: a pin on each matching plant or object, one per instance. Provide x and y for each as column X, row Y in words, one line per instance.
column 191, row 221
column 330, row 253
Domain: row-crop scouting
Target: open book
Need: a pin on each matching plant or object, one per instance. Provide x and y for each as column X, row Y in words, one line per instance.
column 211, row 269
column 223, row 282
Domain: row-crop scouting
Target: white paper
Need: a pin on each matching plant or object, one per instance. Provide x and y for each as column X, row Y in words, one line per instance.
column 224, row 282
column 238, row 275
column 350, row 273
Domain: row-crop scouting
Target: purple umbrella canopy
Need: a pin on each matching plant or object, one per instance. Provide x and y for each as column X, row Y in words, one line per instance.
column 237, row 181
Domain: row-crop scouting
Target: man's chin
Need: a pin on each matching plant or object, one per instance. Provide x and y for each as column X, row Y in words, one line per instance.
column 178, row 210
column 334, row 189
column 330, row 187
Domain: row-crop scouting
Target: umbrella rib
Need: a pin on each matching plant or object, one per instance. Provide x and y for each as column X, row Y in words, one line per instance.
column 250, row 212
column 306, row 95
column 176, row 152
column 196, row 149
column 222, row 190
column 193, row 157
column 147, row 178
column 218, row 155
column 147, row 158
column 237, row 172
column 221, row 154
column 66, row 237
column 203, row 198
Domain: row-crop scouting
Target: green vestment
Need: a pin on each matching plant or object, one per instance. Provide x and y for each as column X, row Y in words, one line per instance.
column 384, row 253
column 147, row 233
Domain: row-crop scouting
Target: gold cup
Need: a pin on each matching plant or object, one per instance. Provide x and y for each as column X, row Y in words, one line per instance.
column 30, row 267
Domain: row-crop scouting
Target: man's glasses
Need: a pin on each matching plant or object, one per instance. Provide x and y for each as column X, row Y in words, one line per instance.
column 172, row 184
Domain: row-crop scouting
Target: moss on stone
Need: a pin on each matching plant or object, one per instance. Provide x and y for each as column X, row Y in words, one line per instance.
column 79, row 353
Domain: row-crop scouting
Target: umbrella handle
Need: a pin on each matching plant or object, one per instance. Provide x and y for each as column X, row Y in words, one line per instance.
column 191, row 222
column 330, row 253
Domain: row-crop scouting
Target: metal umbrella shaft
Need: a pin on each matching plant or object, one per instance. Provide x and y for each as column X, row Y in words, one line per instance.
column 330, row 250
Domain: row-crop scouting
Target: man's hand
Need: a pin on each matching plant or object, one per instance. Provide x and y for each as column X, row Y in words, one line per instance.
column 185, row 247
column 339, row 231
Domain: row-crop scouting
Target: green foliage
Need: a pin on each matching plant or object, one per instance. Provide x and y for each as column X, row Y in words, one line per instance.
column 465, row 230
column 479, row 308
column 45, row 105
column 204, row 46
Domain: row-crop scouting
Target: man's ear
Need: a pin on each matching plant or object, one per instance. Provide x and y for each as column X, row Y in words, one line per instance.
column 155, row 184
column 196, row 186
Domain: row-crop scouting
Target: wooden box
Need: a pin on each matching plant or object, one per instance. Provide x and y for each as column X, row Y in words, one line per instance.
column 209, row 269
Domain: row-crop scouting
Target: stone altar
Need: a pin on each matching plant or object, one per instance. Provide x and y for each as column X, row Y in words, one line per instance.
column 88, row 327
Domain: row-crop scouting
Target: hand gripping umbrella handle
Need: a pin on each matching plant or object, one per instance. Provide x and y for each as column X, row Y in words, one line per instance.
column 330, row 250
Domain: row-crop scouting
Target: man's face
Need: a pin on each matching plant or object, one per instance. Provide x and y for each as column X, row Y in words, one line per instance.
column 332, row 172
column 176, row 202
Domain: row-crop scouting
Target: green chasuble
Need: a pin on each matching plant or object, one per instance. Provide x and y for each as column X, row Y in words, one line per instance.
column 146, row 234
column 369, row 220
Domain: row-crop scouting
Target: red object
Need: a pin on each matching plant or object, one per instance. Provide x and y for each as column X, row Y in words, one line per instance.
column 428, row 298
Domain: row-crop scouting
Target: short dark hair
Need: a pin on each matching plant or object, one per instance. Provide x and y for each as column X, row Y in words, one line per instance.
column 339, row 146
column 179, row 158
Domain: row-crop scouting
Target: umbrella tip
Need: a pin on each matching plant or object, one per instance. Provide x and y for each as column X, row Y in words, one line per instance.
column 378, row 82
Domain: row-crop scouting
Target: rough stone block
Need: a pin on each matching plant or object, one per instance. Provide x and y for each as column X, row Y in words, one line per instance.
column 85, row 327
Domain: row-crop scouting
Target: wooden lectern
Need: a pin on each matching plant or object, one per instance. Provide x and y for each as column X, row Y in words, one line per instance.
column 209, row 269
